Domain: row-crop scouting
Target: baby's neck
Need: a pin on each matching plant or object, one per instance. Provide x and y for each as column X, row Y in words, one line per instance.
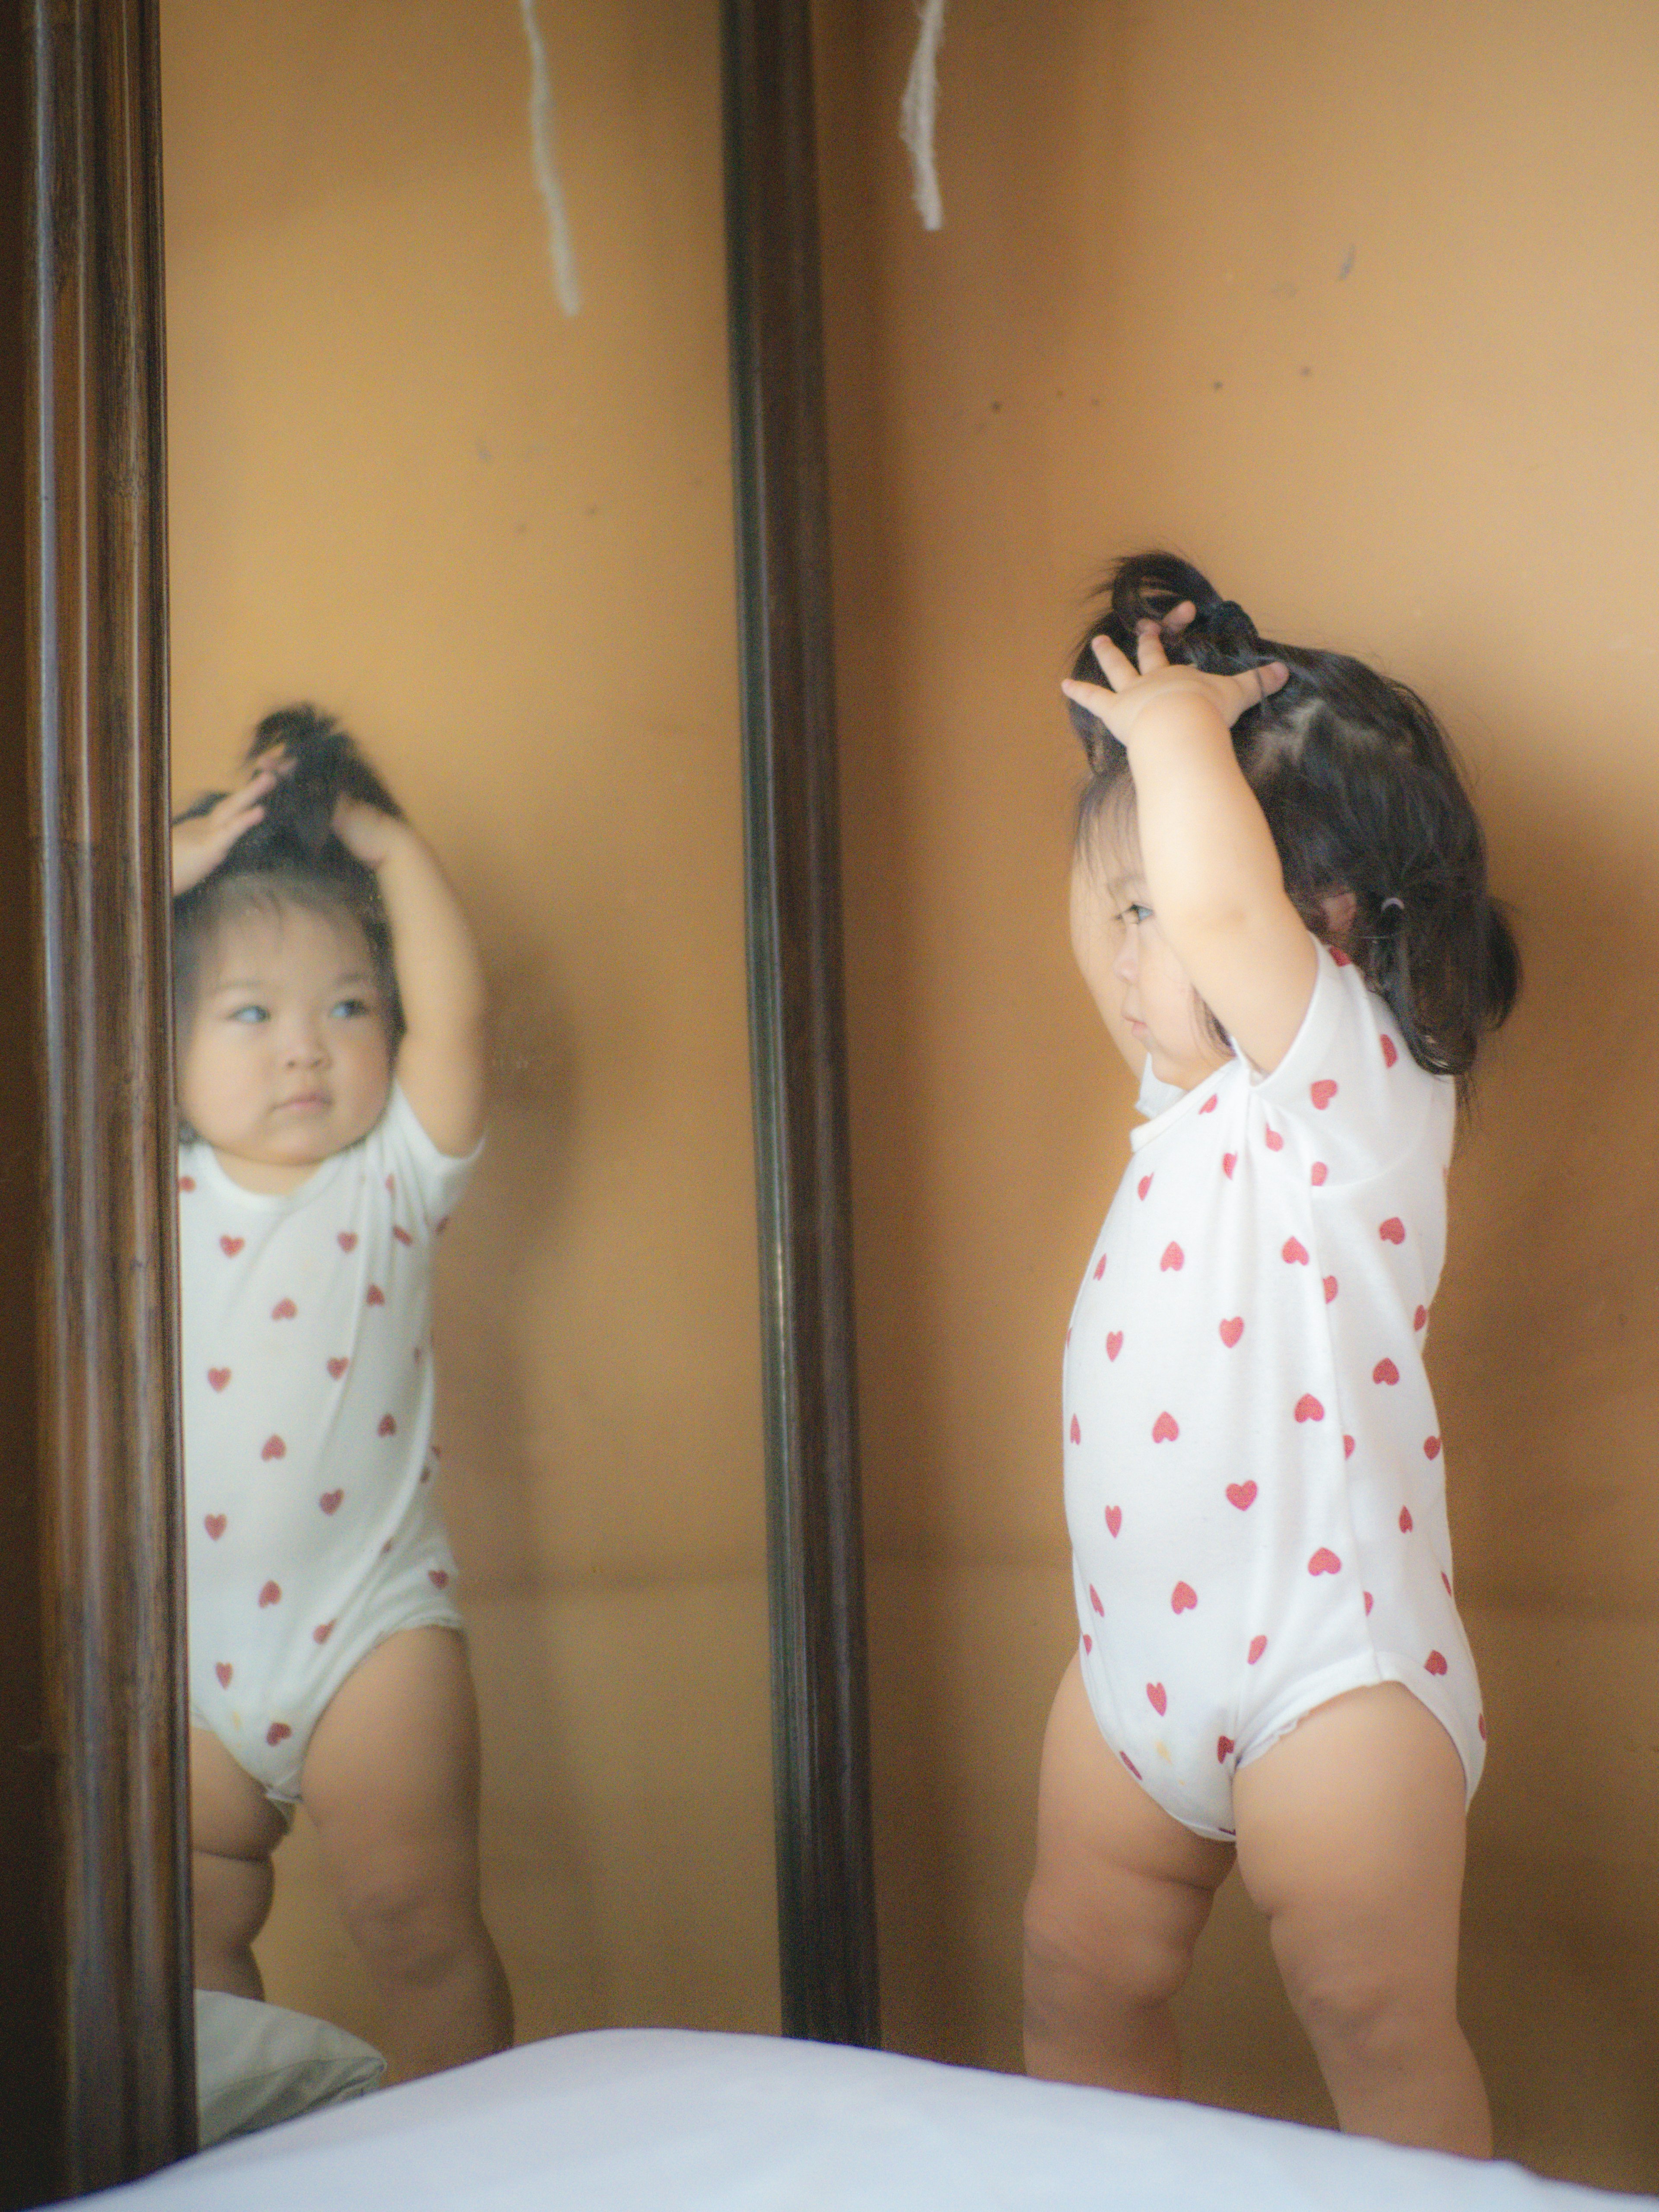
column 268, row 1177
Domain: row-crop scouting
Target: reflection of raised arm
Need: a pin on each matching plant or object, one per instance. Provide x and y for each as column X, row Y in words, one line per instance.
column 1213, row 874
column 441, row 1061
column 200, row 842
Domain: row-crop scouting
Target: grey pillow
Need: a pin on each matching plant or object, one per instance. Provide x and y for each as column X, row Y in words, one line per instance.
column 256, row 2064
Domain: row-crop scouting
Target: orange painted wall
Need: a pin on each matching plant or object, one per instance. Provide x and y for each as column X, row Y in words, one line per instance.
column 497, row 543
column 1360, row 306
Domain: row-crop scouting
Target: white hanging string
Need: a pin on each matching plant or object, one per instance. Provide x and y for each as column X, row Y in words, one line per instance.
column 917, row 113
column 547, row 167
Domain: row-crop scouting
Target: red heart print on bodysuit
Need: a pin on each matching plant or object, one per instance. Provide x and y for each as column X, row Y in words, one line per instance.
column 1100, row 1266
column 1130, row 1764
column 1258, row 1645
column 1392, row 1230
column 1182, row 1598
column 1294, row 1253
column 1242, row 1494
column 1307, row 1407
column 1430, row 1447
column 1435, row 1663
column 337, row 1368
column 1317, row 1173
column 1088, row 1645
column 215, row 1525
column 1405, row 1520
column 1275, row 1142
column 1389, row 1054
column 1158, row 1698
column 271, row 1594
column 1224, row 1748
column 1446, row 1579
column 1143, row 1186
column 321, row 1635
column 347, row 1240
column 1480, row 1722
column 284, row 1310
column 392, row 1185
column 1348, row 1447
column 1210, row 1104
column 224, row 1670
column 1165, row 1429
column 1229, row 1162
column 1385, row 1371
column 1232, row 1330
column 331, row 1499
column 1321, row 1093
column 1330, row 1288
column 438, row 1577
column 1114, row 1344
column 1420, row 1318
column 276, row 1732
column 1367, row 1596
column 186, row 1182
column 401, row 1233
column 1114, row 1520
column 230, row 1246
column 1340, row 958
column 217, row 1377
column 1094, row 1600
column 388, row 1427
column 273, row 1447
column 1173, row 1261
column 1324, row 1562
column 376, row 1295
column 1077, row 1430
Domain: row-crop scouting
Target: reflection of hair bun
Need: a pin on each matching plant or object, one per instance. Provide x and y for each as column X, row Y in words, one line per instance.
column 325, row 766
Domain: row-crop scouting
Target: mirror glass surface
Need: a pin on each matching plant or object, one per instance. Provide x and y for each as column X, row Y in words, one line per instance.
column 496, row 540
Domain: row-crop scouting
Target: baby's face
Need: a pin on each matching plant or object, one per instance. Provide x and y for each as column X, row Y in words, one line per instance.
column 1145, row 996
column 288, row 1059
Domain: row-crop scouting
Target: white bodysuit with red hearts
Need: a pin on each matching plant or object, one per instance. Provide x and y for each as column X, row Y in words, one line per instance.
column 312, row 1530
column 1254, row 1485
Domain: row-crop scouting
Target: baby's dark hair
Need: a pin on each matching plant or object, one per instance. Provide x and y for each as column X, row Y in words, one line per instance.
column 291, row 854
column 1362, row 791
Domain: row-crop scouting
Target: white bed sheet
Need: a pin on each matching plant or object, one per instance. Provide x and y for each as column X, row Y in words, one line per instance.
column 639, row 2120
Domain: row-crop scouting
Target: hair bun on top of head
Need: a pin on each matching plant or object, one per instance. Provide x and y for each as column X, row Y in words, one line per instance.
column 1148, row 586
column 324, row 766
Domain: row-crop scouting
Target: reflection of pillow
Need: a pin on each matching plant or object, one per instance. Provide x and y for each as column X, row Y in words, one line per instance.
column 256, row 2064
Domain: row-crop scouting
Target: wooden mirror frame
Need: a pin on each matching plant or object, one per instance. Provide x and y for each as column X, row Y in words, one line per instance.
column 97, row 2061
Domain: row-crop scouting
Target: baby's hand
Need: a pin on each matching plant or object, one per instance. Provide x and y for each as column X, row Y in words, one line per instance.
column 367, row 832
column 1134, row 690
column 201, row 842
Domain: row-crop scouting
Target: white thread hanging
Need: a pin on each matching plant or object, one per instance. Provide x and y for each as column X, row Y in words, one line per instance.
column 546, row 161
column 917, row 113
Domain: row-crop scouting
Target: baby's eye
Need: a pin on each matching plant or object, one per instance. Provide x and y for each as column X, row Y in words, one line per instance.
column 250, row 1015
column 1136, row 914
column 349, row 1009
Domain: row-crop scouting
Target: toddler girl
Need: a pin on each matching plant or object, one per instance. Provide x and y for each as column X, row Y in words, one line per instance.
column 329, row 1014
column 1279, row 904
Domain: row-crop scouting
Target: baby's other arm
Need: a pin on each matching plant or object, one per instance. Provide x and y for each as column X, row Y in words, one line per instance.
column 441, row 1061
column 1213, row 873
column 200, row 842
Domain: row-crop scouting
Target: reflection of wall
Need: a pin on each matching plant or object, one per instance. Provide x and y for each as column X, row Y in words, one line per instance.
column 1357, row 305
column 498, row 543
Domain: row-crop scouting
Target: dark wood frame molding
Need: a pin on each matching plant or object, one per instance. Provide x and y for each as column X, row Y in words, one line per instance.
column 820, row 1756
column 96, row 2025
column 109, row 2040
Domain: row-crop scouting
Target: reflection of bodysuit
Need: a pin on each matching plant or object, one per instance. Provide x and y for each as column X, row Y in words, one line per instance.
column 307, row 1409
column 1254, row 1478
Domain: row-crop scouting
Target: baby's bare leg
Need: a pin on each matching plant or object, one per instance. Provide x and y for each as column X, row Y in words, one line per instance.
column 1351, row 1840
column 391, row 1782
column 233, row 1830
column 1119, row 1900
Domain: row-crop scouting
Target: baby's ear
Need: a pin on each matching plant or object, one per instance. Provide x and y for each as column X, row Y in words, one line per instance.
column 1339, row 908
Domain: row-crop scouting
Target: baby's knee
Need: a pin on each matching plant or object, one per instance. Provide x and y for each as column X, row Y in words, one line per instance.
column 411, row 1921
column 1363, row 2012
column 1079, row 1952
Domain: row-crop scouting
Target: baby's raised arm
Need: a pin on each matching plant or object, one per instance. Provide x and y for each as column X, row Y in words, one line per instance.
column 442, row 1059
column 200, row 842
column 1213, row 875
